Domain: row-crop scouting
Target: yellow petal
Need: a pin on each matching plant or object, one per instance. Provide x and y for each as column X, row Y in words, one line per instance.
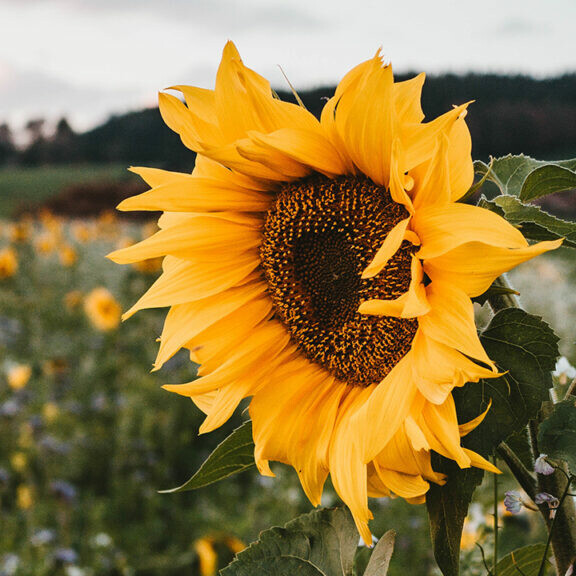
column 366, row 121
column 390, row 246
column 309, row 148
column 469, row 426
column 185, row 282
column 443, row 228
column 197, row 237
column 419, row 140
column 474, row 266
column 185, row 321
column 189, row 194
column 451, row 321
column 407, row 97
column 411, row 304
column 460, row 159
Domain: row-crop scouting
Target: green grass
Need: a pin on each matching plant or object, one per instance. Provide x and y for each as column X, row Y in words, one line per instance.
column 22, row 187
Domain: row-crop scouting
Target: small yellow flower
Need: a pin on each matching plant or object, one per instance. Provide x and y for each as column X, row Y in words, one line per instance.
column 82, row 232
column 24, row 497
column 8, row 262
column 19, row 461
column 102, row 309
column 50, row 412
column 46, row 243
column 26, row 436
column 18, row 376
column 68, row 256
column 207, row 557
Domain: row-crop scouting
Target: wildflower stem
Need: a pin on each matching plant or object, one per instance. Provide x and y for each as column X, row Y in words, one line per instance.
column 562, row 563
column 495, row 479
column 520, row 472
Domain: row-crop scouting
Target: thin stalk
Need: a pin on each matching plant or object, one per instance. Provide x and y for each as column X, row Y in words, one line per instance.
column 520, row 472
column 561, row 570
column 495, row 484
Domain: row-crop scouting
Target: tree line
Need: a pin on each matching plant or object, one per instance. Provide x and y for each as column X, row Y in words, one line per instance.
column 510, row 114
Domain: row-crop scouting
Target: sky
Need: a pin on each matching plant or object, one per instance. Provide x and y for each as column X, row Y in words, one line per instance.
column 87, row 59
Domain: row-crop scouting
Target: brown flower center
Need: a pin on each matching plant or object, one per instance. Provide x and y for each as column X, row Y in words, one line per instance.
column 318, row 238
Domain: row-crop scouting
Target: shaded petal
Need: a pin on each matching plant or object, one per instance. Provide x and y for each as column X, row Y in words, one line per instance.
column 183, row 281
column 293, row 419
column 309, row 148
column 451, row 321
column 443, row 228
column 185, row 193
column 366, row 121
column 407, row 96
column 411, row 304
column 205, row 237
column 419, row 140
column 389, row 247
column 185, row 321
column 474, row 266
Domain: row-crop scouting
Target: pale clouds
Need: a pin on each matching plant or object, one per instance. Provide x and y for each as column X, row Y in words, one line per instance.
column 90, row 56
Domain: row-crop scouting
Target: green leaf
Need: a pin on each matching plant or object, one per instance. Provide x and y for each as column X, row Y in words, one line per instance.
column 547, row 180
column 524, row 561
column 525, row 348
column 322, row 542
column 447, row 508
column 235, row 454
column 380, row 559
column 510, row 173
column 534, row 223
column 557, row 434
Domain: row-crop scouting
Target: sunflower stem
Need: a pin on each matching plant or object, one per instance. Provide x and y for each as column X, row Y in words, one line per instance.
column 500, row 301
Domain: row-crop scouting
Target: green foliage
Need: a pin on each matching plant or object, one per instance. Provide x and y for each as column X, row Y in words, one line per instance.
column 235, row 454
column 528, row 178
column 25, row 187
column 321, row 543
column 533, row 221
column 447, row 508
column 557, row 434
column 524, row 561
column 520, row 180
column 525, row 348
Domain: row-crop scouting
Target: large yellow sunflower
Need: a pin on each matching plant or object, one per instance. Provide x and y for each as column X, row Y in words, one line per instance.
column 325, row 269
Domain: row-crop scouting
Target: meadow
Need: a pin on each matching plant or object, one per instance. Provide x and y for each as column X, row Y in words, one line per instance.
column 88, row 437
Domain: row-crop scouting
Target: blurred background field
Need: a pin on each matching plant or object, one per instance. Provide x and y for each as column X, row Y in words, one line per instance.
column 87, row 435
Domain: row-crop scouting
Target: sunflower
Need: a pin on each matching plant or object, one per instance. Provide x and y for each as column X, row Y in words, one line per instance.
column 325, row 268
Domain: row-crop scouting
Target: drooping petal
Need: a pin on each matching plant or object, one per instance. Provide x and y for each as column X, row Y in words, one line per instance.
column 443, row 228
column 474, row 266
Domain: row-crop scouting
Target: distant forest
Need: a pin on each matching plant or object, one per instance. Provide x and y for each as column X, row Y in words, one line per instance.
column 510, row 114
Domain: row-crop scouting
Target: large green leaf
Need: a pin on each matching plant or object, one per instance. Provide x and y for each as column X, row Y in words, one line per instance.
column 447, row 508
column 322, row 542
column 525, row 349
column 235, row 454
column 522, row 562
column 534, row 223
column 526, row 177
column 557, row 434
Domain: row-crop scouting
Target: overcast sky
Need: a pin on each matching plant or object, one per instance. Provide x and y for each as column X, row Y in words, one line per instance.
column 88, row 58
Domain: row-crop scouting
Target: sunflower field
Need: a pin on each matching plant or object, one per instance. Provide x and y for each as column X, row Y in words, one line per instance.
column 88, row 438
column 337, row 302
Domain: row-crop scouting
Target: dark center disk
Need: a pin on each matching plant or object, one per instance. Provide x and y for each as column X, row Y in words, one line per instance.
column 318, row 238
